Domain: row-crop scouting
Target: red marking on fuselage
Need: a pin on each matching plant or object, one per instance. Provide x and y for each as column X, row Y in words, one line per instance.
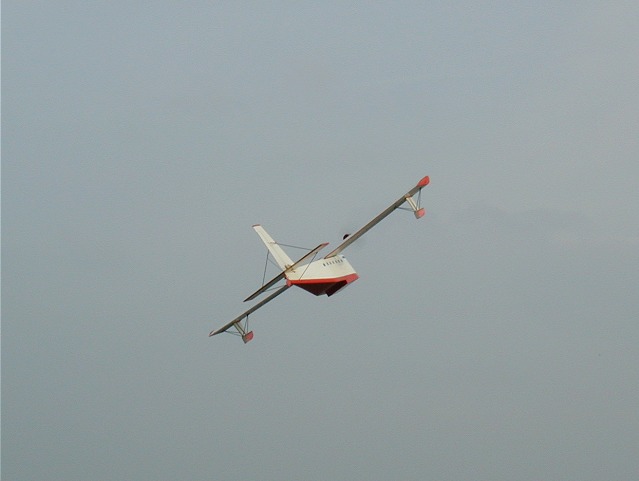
column 328, row 286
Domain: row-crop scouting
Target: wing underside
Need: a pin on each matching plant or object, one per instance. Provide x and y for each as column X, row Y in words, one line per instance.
column 407, row 197
column 250, row 311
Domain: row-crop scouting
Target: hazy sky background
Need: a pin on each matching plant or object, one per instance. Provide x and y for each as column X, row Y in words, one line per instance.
column 495, row 339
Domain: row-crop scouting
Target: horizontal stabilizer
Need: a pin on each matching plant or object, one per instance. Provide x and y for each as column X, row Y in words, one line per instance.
column 282, row 274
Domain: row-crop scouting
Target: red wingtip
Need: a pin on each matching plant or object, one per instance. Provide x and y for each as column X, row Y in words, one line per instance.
column 420, row 213
column 424, row 182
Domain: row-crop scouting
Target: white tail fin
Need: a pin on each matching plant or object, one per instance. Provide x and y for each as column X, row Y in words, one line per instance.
column 274, row 248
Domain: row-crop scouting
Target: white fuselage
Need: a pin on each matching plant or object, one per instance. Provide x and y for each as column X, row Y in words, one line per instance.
column 323, row 276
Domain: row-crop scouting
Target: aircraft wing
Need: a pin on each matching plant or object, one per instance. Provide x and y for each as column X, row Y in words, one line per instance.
column 239, row 318
column 406, row 197
column 282, row 274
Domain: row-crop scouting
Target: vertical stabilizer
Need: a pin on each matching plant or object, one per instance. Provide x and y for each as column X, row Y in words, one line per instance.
column 274, row 248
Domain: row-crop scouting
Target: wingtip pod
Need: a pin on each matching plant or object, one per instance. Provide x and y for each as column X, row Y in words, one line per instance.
column 247, row 337
column 424, row 182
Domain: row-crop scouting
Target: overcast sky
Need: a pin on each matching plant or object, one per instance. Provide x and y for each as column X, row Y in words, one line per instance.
column 495, row 339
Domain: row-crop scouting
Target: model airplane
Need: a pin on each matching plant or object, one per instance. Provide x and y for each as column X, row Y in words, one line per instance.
column 328, row 275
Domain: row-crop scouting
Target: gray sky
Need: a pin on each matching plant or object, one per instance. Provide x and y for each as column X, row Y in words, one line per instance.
column 495, row 339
